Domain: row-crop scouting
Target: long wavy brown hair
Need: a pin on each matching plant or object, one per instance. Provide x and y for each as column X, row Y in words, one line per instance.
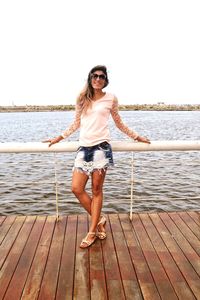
column 84, row 100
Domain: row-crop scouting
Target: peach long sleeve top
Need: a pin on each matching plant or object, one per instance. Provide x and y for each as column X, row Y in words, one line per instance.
column 93, row 123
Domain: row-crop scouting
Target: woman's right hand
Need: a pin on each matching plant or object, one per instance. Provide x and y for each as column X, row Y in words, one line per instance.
column 143, row 139
column 54, row 140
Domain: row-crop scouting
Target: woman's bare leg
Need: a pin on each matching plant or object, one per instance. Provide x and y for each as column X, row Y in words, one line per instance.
column 92, row 206
column 79, row 181
column 97, row 197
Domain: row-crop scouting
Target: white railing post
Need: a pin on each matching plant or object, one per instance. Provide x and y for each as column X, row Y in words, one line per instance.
column 132, row 177
column 56, row 185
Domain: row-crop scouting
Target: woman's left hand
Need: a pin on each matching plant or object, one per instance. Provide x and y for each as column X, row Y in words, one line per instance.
column 143, row 139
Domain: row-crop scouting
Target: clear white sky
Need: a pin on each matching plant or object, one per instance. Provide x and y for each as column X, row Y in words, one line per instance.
column 150, row 47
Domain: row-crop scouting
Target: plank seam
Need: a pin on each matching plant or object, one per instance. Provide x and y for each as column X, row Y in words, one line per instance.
column 111, row 232
column 182, row 252
column 189, row 228
column 180, row 215
column 136, row 235
column 20, row 254
column 56, row 290
column 182, row 274
column 184, row 237
column 33, row 256
column 171, row 282
column 42, row 277
column 104, row 270
column 7, row 230
column 75, row 256
column 190, row 213
column 131, row 258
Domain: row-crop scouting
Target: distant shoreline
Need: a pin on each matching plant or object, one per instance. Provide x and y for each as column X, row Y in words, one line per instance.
column 135, row 107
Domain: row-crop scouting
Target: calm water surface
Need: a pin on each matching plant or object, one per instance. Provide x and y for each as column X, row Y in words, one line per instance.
column 163, row 181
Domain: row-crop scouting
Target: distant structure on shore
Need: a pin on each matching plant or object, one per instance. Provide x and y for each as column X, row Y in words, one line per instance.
column 160, row 106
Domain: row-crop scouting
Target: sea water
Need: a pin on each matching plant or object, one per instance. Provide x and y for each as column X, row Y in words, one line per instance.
column 163, row 181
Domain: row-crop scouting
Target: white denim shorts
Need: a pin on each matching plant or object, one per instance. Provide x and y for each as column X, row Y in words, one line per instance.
column 90, row 159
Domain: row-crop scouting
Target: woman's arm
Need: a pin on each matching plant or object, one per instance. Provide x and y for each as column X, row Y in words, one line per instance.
column 119, row 123
column 71, row 129
column 75, row 125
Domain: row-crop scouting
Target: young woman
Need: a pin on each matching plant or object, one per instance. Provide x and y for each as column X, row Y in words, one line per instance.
column 94, row 155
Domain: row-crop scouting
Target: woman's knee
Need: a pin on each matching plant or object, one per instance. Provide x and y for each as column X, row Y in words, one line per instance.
column 77, row 190
column 96, row 190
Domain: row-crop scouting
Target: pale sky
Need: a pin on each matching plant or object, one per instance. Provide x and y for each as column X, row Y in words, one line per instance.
column 150, row 47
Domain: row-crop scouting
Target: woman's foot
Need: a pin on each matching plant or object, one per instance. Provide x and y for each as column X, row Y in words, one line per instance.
column 101, row 232
column 88, row 240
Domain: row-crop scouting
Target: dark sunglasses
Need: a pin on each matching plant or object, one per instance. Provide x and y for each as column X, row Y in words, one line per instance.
column 101, row 76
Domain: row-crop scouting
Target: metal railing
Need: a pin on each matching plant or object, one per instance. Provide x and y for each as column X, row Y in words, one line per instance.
column 30, row 147
column 14, row 147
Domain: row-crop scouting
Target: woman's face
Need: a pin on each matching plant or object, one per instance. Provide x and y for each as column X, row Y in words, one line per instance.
column 98, row 80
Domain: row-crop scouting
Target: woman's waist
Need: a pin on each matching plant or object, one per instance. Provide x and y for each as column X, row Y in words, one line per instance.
column 89, row 140
column 91, row 144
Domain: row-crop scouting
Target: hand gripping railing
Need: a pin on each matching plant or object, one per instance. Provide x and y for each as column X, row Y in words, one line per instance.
column 34, row 147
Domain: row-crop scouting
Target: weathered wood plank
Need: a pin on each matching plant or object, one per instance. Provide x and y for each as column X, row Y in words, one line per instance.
column 5, row 227
column 186, row 232
column 178, row 255
column 145, row 279
column 82, row 272
column 190, row 223
column 191, row 255
column 158, row 272
column 10, row 238
column 129, row 280
column 97, row 275
column 19, row 277
column 195, row 216
column 13, row 257
column 33, row 282
column 156, row 256
column 113, row 278
column 66, row 276
column 2, row 218
column 50, row 278
column 177, row 280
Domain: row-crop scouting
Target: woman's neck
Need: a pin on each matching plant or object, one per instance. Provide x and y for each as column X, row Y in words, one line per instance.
column 98, row 94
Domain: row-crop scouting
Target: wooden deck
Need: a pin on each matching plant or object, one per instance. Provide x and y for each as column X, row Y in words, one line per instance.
column 156, row 256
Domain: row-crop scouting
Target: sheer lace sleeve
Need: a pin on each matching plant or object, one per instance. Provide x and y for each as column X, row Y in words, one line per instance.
column 119, row 123
column 75, row 125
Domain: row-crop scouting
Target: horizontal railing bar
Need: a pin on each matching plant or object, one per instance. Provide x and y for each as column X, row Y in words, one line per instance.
column 33, row 147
